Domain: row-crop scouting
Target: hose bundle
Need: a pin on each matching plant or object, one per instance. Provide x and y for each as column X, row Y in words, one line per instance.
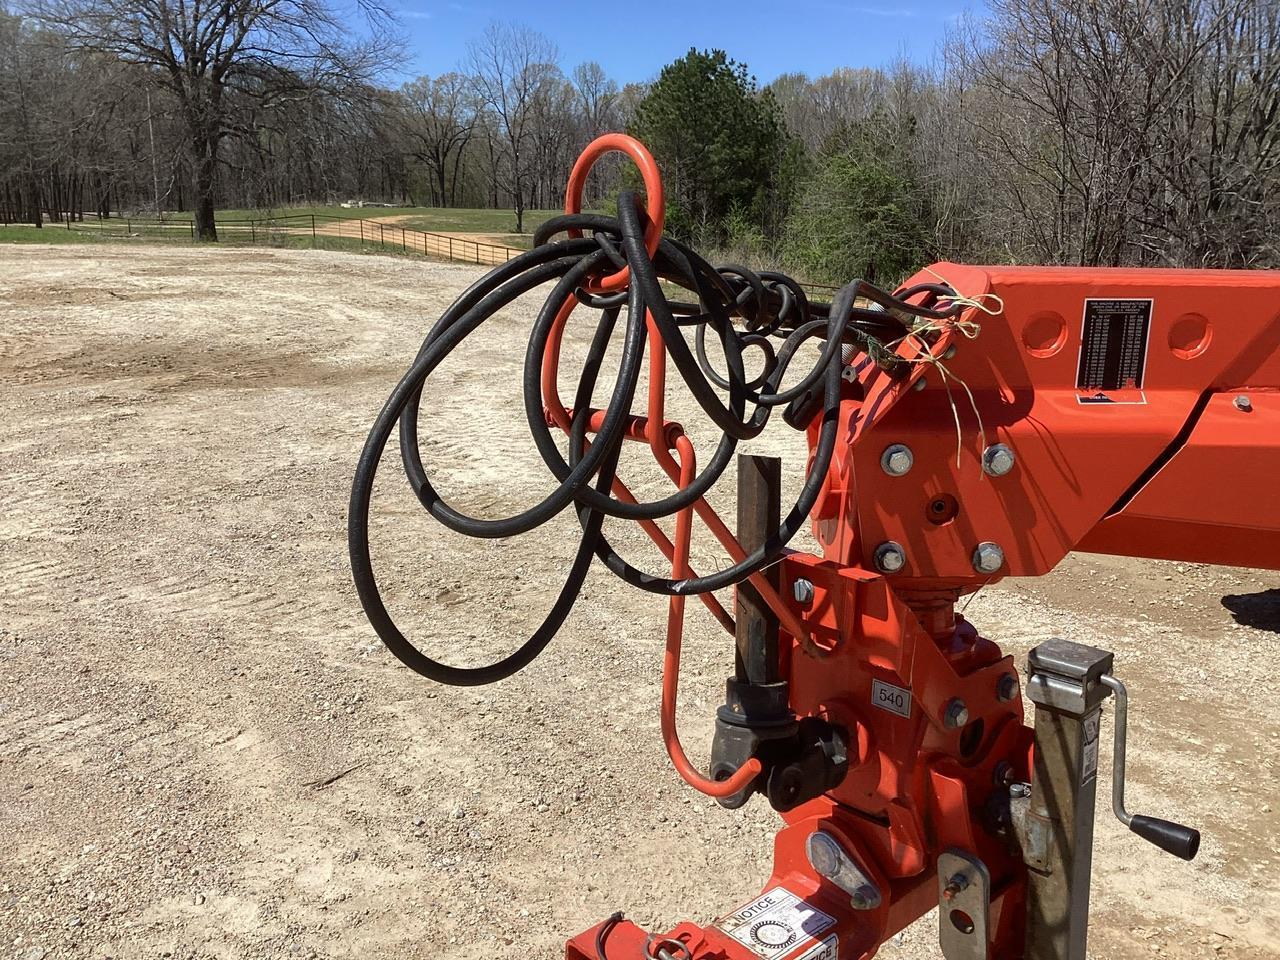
column 765, row 311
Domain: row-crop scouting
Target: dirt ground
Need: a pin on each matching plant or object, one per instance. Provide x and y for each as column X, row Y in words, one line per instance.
column 206, row 752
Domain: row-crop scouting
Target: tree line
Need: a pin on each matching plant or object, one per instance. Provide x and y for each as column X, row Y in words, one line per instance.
column 1140, row 132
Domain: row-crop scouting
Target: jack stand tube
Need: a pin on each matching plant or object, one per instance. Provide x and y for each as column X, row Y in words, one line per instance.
column 1065, row 683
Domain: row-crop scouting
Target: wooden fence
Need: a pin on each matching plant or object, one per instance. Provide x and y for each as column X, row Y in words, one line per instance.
column 307, row 229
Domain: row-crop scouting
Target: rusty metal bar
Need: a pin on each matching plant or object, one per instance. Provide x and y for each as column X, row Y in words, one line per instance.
column 756, row 657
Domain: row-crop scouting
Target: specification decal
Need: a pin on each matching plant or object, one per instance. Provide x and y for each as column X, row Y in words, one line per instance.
column 1113, row 351
column 888, row 697
column 1090, row 731
column 778, row 924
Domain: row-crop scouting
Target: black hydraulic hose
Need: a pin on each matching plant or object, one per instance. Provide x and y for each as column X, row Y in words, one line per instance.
column 371, row 598
column 743, row 308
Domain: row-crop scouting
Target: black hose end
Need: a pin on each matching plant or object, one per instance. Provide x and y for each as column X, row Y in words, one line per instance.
column 1170, row 837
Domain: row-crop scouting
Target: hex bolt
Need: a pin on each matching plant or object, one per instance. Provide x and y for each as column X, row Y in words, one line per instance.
column 802, row 590
column 1006, row 687
column 1243, row 403
column 988, row 557
column 957, row 714
column 897, row 459
column 1019, row 790
column 890, row 557
column 997, row 460
column 949, row 353
column 920, row 384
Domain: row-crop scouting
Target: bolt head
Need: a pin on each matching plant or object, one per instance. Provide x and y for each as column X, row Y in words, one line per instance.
column 920, row 384
column 897, row 459
column 865, row 898
column 890, row 557
column 988, row 557
column 957, row 713
column 802, row 590
column 997, row 460
column 1006, row 687
column 1243, row 403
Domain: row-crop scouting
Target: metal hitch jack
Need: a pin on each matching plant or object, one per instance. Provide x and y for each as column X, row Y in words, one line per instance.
column 1068, row 683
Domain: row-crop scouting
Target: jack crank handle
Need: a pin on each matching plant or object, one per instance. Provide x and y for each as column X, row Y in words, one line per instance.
column 1182, row 841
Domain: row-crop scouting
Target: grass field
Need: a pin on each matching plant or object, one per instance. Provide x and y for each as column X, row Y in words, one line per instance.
column 49, row 234
column 143, row 232
column 428, row 219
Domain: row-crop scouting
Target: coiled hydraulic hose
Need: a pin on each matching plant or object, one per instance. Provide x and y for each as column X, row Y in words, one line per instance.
column 742, row 309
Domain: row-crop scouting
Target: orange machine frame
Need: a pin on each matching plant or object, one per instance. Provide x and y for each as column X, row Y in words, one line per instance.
column 1172, row 462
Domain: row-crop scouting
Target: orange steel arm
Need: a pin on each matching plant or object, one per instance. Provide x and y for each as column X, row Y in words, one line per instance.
column 1176, row 463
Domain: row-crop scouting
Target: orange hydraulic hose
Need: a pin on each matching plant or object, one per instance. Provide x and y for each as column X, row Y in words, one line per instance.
column 561, row 417
column 743, row 776
column 655, row 203
column 662, row 437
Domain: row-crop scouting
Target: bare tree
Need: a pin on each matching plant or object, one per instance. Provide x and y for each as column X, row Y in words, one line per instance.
column 1125, row 131
column 440, row 118
column 509, row 64
column 597, row 98
column 209, row 56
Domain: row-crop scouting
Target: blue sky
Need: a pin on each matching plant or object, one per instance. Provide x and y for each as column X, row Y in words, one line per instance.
column 632, row 39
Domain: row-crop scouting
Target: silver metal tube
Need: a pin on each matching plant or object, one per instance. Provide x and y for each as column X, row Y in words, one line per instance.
column 1118, row 749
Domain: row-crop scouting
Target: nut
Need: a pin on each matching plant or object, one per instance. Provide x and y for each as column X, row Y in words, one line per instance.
column 1243, row 403
column 997, row 460
column 988, row 558
column 802, row 590
column 866, row 897
column 957, row 713
column 897, row 459
column 890, row 557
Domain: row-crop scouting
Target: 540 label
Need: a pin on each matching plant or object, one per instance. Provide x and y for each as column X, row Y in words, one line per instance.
column 888, row 697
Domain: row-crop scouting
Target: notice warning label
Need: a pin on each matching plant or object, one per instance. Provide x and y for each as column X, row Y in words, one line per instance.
column 1113, row 348
column 777, row 924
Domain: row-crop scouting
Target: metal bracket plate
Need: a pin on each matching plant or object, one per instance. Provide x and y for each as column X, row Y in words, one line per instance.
column 964, row 906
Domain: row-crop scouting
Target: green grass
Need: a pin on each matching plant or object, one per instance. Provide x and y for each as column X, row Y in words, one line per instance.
column 496, row 222
column 145, row 232
column 47, row 234
column 427, row 219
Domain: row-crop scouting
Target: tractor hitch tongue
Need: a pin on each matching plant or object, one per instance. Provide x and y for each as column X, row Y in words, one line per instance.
column 972, row 424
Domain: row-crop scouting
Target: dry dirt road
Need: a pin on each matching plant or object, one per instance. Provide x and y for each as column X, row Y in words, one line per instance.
column 207, row 753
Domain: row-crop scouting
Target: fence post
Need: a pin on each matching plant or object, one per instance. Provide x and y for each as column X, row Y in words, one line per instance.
column 313, row 231
column 451, row 248
column 362, row 231
column 382, row 235
column 403, row 248
column 253, row 231
column 193, row 230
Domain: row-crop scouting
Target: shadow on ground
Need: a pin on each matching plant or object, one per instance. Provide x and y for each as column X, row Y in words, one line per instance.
column 1259, row 610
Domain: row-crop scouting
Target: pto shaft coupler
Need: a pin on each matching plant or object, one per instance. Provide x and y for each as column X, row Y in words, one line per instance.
column 800, row 759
